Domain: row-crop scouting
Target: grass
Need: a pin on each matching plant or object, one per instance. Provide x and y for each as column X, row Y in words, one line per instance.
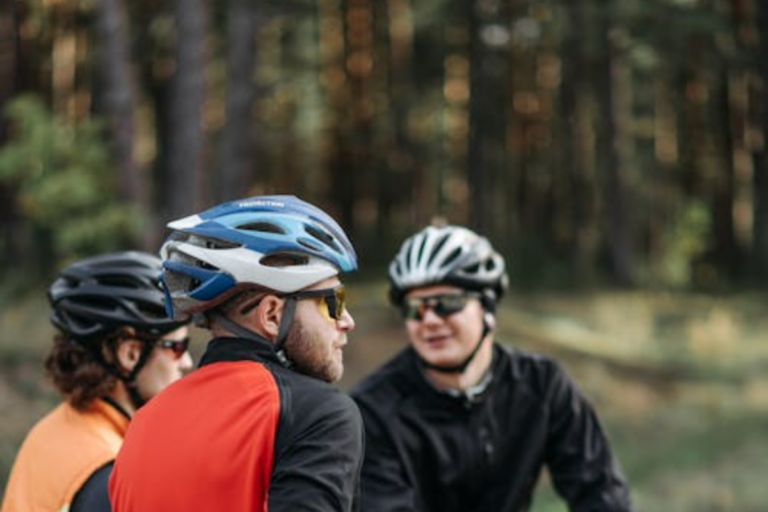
column 678, row 380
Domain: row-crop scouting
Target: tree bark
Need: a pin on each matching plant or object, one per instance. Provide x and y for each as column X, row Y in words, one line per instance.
column 760, row 160
column 615, row 193
column 236, row 157
column 119, row 96
column 185, row 127
column 576, row 139
column 489, row 79
column 9, row 61
column 726, row 250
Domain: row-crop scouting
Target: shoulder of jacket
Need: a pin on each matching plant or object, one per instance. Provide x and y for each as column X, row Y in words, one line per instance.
column 309, row 394
column 388, row 385
column 532, row 370
column 528, row 359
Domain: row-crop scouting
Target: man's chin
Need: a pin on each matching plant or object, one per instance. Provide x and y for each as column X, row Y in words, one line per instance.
column 440, row 360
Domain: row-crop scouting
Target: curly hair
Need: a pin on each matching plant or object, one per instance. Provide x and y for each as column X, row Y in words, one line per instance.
column 76, row 372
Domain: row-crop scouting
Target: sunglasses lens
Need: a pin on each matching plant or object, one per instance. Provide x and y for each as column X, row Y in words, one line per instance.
column 335, row 303
column 178, row 347
column 341, row 303
column 442, row 305
column 449, row 304
column 413, row 309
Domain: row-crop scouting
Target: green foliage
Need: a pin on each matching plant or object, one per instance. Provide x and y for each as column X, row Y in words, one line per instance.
column 686, row 240
column 63, row 183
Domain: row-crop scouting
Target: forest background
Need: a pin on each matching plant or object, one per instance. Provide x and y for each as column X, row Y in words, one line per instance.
column 614, row 151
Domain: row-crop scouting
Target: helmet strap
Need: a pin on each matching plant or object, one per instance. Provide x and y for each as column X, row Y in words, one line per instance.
column 282, row 334
column 461, row 367
column 130, row 380
column 115, row 405
column 248, row 334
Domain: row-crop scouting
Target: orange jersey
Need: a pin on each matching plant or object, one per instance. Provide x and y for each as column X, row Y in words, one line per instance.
column 60, row 453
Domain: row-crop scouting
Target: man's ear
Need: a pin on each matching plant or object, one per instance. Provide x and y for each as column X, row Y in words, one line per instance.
column 128, row 352
column 265, row 318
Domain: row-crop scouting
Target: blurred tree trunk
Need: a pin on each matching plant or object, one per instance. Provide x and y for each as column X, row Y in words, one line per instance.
column 333, row 38
column 235, row 157
column 577, row 154
column 489, row 80
column 759, row 123
column 726, row 252
column 9, row 62
column 354, row 129
column 616, row 195
column 187, row 96
column 119, row 97
column 388, row 186
column 9, row 49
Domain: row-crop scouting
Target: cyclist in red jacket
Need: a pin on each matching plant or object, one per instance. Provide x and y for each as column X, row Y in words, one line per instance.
column 257, row 426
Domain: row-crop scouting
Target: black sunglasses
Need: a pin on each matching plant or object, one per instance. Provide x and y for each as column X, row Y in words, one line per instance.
column 335, row 299
column 178, row 347
column 414, row 308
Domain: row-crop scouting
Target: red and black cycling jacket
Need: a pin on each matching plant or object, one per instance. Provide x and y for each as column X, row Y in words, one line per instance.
column 241, row 433
column 429, row 451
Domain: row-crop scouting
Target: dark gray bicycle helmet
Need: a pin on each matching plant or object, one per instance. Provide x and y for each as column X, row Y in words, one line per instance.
column 94, row 297
column 451, row 255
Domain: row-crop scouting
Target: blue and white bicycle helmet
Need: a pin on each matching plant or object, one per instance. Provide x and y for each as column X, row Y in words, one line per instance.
column 212, row 255
column 451, row 255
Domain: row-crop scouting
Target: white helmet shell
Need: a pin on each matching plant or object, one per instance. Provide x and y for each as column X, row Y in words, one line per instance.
column 447, row 255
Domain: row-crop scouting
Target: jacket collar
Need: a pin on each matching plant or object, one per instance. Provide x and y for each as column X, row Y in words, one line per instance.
column 238, row 349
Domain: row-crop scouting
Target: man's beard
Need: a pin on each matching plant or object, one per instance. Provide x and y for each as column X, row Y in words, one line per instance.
column 311, row 355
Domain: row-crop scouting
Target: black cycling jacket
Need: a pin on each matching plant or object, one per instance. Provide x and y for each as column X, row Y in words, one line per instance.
column 241, row 434
column 429, row 451
column 93, row 496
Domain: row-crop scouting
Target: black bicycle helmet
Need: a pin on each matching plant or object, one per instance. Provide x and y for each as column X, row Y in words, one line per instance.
column 94, row 297
column 451, row 255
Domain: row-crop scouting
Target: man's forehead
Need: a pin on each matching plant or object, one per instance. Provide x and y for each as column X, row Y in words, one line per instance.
column 434, row 289
column 331, row 282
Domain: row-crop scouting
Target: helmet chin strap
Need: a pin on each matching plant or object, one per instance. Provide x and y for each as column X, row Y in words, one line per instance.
column 459, row 368
column 282, row 333
column 128, row 379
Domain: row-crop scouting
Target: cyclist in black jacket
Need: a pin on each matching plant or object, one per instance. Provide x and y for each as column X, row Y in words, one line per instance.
column 458, row 422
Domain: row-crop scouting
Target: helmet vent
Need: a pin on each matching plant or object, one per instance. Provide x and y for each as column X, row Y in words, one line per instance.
column 421, row 249
column 151, row 311
column 452, row 256
column 284, row 260
column 263, row 227
column 323, row 237
column 218, row 244
column 436, row 250
column 119, row 281
column 472, row 269
column 96, row 303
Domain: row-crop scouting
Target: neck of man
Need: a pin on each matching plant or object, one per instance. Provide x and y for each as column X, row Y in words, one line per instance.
column 470, row 377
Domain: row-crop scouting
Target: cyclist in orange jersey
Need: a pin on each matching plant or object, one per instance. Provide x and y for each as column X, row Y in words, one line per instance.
column 115, row 349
